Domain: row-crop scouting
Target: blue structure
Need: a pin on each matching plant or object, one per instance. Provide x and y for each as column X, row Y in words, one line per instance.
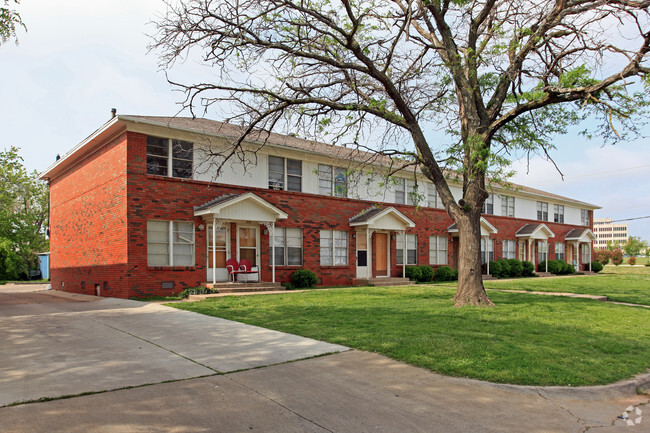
column 44, row 265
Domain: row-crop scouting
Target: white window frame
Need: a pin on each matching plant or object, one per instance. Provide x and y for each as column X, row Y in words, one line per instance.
column 285, row 174
column 173, row 240
column 542, row 251
column 438, row 250
column 584, row 253
column 490, row 250
column 334, row 248
column 508, row 249
column 433, row 198
column 282, row 238
column 170, row 158
column 584, row 217
column 488, row 205
column 558, row 213
column 542, row 211
column 507, row 206
column 411, row 249
column 560, row 251
column 400, row 191
column 412, row 196
column 328, row 183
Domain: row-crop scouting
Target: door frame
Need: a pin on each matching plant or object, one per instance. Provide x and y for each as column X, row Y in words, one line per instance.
column 208, row 236
column 257, row 241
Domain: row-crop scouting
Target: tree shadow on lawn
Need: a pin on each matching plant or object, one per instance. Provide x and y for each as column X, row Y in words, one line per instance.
column 525, row 339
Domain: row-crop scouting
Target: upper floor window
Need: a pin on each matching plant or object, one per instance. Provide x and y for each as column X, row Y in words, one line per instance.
column 400, row 191
column 170, row 243
column 287, row 245
column 488, row 205
column 159, row 161
column 333, row 248
column 584, row 217
column 507, row 206
column 285, row 174
column 438, row 250
column 433, row 197
column 542, row 211
column 332, row 181
column 411, row 249
column 558, row 213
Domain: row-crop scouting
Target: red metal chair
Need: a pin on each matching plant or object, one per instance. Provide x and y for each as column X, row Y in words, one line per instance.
column 247, row 269
column 233, row 268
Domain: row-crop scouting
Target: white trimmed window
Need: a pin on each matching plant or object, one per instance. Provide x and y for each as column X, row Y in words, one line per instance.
column 332, row 181
column 542, row 211
column 488, row 205
column 412, row 196
column 433, row 197
column 287, row 245
column 584, row 217
column 438, row 250
column 411, row 249
column 541, row 251
column 170, row 243
column 487, row 250
column 584, row 249
column 507, row 206
column 158, row 157
column 400, row 191
column 508, row 249
column 559, row 251
column 285, row 174
column 558, row 213
column 333, row 248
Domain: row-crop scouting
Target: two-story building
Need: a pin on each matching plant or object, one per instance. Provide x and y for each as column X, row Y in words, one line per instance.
column 152, row 205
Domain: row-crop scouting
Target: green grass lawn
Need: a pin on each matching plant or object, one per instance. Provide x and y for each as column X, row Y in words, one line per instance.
column 619, row 284
column 525, row 339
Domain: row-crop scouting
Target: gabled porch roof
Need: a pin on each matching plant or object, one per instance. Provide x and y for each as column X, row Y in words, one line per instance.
column 387, row 218
column 240, row 207
column 580, row 235
column 535, row 231
column 486, row 228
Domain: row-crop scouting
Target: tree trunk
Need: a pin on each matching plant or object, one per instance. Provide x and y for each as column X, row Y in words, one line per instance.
column 470, row 281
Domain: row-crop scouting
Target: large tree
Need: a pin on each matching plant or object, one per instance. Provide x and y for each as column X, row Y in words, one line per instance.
column 500, row 77
column 10, row 21
column 634, row 246
column 23, row 216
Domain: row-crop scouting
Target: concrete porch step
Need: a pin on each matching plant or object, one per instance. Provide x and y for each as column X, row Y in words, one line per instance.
column 544, row 274
column 388, row 281
column 487, row 277
column 228, row 285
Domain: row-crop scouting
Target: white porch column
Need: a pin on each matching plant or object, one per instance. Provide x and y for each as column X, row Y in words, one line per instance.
column 214, row 251
column 546, row 244
column 272, row 252
column 369, row 253
column 530, row 251
column 403, row 254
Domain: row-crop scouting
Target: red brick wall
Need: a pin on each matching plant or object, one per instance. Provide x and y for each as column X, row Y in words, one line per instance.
column 88, row 219
column 94, row 206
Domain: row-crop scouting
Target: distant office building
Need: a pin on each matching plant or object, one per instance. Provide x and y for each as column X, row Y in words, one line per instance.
column 606, row 231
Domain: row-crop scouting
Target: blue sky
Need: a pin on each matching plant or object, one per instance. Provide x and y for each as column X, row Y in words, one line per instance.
column 79, row 59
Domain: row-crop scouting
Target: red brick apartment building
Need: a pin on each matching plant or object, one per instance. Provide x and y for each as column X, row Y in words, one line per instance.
column 137, row 209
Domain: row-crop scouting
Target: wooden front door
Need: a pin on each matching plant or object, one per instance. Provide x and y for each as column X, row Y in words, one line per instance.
column 381, row 254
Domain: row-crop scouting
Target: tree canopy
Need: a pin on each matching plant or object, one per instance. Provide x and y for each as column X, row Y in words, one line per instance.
column 10, row 21
column 23, row 216
column 498, row 77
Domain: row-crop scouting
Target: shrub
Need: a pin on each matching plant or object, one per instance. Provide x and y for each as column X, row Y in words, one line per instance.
column 567, row 268
column 413, row 273
column 617, row 256
column 303, row 279
column 445, row 273
column 596, row 266
column 197, row 291
column 427, row 273
column 528, row 269
column 648, row 264
column 602, row 256
column 497, row 268
column 515, row 268
column 631, row 261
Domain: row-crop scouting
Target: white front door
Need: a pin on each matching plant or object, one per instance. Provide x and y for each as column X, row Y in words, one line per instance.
column 362, row 255
column 217, row 255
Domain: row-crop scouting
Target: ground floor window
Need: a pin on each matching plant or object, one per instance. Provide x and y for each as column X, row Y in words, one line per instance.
column 287, row 246
column 487, row 250
column 522, row 250
column 560, row 251
column 541, row 251
column 508, row 249
column 438, row 250
column 584, row 248
column 170, row 243
column 411, row 249
column 333, row 248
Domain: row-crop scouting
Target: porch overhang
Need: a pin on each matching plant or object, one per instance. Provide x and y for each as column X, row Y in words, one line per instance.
column 580, row 235
column 382, row 219
column 535, row 231
column 240, row 207
column 486, row 228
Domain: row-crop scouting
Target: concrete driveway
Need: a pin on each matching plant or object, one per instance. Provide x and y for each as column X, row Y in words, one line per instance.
column 58, row 344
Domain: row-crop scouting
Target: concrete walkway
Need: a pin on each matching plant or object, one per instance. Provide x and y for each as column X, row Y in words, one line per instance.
column 73, row 344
